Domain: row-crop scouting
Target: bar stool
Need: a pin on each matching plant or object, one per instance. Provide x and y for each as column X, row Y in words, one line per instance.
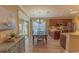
column 56, row 35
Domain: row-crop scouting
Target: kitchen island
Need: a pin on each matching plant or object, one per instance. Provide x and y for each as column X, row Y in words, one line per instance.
column 72, row 41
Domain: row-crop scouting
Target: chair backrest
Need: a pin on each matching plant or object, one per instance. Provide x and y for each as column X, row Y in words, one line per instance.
column 56, row 34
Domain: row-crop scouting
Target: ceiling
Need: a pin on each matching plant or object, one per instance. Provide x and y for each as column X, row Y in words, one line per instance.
column 6, row 11
column 54, row 11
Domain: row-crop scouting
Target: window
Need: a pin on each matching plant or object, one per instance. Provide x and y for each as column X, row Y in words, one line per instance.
column 39, row 27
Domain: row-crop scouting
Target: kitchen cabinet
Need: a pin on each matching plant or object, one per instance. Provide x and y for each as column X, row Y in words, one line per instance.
column 63, row 41
column 63, row 22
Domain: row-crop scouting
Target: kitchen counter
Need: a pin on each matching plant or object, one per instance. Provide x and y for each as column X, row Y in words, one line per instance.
column 52, row 29
column 72, row 41
column 71, row 33
column 51, row 32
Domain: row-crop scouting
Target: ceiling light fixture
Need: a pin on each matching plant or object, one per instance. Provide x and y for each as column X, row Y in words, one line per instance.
column 71, row 9
column 74, row 12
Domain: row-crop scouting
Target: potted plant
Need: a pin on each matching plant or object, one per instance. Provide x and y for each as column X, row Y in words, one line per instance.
column 12, row 35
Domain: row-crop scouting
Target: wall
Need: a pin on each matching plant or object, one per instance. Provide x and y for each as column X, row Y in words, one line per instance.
column 76, row 21
column 74, row 39
column 8, row 15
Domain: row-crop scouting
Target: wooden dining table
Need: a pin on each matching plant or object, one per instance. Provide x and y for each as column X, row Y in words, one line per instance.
column 43, row 37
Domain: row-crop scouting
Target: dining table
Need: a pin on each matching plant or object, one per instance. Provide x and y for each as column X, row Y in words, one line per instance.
column 40, row 36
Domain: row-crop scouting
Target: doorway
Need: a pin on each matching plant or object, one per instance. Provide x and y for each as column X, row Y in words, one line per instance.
column 23, row 28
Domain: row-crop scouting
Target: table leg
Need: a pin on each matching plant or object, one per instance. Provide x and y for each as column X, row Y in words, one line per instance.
column 33, row 40
column 46, row 39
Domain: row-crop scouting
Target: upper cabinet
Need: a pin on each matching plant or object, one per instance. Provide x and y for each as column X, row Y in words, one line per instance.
column 54, row 22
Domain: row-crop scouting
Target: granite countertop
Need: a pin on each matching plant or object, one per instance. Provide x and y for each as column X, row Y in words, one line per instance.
column 52, row 30
column 71, row 33
column 7, row 45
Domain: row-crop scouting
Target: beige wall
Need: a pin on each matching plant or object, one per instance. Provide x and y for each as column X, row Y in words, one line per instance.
column 8, row 15
column 74, row 39
column 76, row 21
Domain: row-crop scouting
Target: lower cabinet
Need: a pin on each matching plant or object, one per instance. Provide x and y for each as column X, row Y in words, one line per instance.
column 63, row 41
